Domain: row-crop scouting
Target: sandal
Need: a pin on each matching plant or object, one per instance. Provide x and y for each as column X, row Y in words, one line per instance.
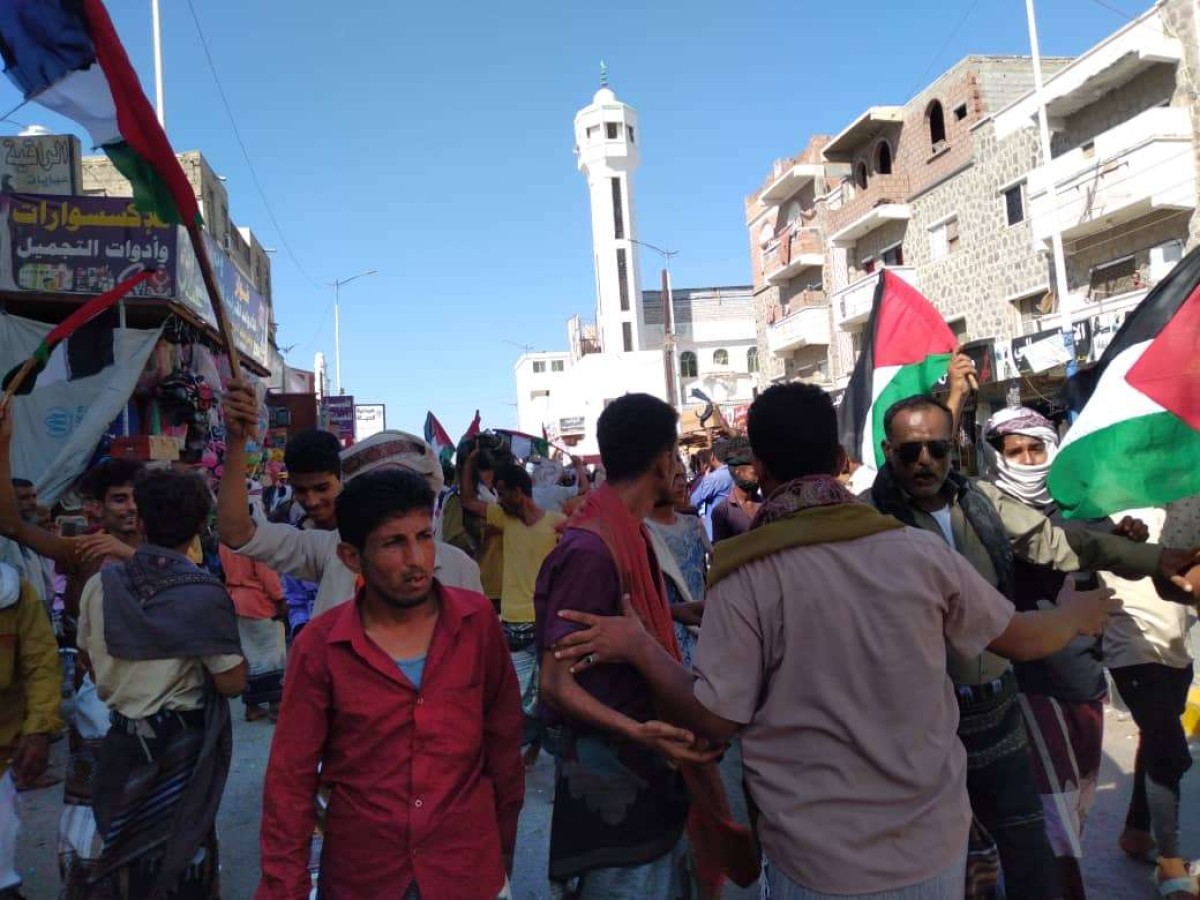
column 1180, row 888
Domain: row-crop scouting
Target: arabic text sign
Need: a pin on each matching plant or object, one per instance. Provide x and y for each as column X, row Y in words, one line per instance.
column 247, row 308
column 339, row 417
column 369, row 419
column 40, row 164
column 82, row 245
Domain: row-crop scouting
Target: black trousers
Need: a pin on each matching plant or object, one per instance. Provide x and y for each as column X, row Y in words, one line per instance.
column 1156, row 696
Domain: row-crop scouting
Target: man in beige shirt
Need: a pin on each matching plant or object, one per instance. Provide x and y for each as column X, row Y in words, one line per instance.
column 824, row 646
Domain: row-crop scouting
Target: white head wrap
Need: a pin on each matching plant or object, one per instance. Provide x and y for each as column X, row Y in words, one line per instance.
column 1025, row 483
column 393, row 450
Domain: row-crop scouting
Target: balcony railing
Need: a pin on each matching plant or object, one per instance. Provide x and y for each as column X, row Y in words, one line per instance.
column 804, row 326
column 852, row 304
column 788, row 254
column 864, row 209
column 1139, row 166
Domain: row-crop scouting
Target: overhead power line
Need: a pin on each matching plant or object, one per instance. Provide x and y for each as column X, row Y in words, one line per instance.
column 246, row 153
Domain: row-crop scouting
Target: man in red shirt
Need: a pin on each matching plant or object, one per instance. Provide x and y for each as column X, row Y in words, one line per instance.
column 404, row 704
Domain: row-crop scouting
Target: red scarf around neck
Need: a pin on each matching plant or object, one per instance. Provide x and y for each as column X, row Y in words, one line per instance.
column 722, row 846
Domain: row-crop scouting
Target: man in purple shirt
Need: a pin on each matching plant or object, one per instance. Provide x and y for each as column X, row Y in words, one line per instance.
column 620, row 805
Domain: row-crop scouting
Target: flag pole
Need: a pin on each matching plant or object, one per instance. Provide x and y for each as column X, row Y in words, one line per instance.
column 214, row 296
column 17, row 381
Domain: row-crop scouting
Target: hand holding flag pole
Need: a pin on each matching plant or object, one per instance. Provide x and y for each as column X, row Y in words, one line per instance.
column 22, row 377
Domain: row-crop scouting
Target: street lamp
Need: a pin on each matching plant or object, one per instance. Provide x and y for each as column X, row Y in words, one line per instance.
column 337, row 321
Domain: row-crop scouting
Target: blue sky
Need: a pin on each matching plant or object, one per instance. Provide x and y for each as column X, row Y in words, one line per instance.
column 433, row 142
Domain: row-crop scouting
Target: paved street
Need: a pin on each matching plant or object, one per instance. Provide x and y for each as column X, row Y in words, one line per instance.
column 1109, row 874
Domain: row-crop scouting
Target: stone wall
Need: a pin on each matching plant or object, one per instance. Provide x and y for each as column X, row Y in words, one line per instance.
column 1135, row 239
column 994, row 261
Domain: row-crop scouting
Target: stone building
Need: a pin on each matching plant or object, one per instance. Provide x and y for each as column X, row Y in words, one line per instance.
column 926, row 197
column 950, row 192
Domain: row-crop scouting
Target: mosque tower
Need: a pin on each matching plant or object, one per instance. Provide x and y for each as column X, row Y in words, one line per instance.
column 606, row 135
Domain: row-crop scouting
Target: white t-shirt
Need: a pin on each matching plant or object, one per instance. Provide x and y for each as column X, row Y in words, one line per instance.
column 942, row 517
column 312, row 556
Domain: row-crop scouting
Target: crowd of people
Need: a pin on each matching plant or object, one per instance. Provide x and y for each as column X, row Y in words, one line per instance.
column 905, row 669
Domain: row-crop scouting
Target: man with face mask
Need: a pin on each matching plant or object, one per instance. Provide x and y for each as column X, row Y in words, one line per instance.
column 992, row 529
column 735, row 513
column 1062, row 696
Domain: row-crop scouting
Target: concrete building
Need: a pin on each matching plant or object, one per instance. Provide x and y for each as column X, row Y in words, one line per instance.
column 1121, row 182
column 787, row 260
column 711, row 346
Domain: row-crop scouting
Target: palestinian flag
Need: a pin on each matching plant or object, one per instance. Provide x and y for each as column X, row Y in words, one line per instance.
column 437, row 438
column 1136, row 442
column 906, row 350
column 65, row 55
column 524, row 446
column 35, row 364
column 474, row 429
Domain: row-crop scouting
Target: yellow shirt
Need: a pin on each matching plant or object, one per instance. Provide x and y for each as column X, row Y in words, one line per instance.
column 140, row 688
column 525, row 549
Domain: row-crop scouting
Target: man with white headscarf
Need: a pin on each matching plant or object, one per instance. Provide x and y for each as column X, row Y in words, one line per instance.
column 548, row 493
column 312, row 555
column 1062, row 696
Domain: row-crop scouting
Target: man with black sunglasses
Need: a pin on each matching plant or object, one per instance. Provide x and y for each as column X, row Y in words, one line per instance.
column 991, row 530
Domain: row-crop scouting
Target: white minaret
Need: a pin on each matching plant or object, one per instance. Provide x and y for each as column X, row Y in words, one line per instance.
column 606, row 136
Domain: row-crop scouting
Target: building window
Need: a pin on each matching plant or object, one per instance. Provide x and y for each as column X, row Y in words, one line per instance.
column 627, row 336
column 765, row 234
column 557, row 365
column 539, row 368
column 793, row 212
column 629, row 131
column 611, row 129
column 1014, row 203
column 591, row 132
column 936, row 118
column 1032, row 308
column 868, row 265
column 618, row 210
column 943, row 239
column 687, row 364
column 720, row 357
column 893, row 256
column 622, row 281
column 883, row 158
column 1112, row 278
column 860, row 176
column 752, row 360
column 960, row 112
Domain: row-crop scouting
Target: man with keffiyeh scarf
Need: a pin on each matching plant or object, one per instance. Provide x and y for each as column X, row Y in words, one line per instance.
column 1062, row 696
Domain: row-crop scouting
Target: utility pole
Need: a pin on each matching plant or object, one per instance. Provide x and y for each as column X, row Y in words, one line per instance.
column 159, row 105
column 337, row 323
column 1065, row 324
column 668, row 323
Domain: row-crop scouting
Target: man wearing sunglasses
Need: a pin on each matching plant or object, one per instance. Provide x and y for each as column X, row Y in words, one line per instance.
column 991, row 529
